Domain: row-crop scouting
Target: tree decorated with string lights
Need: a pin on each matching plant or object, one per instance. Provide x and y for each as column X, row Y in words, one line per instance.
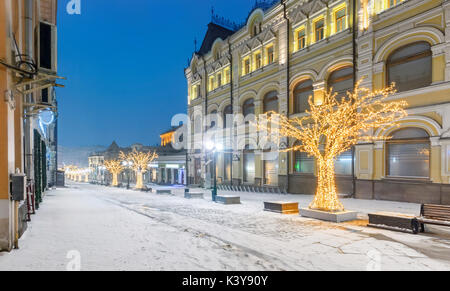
column 115, row 168
column 333, row 127
column 139, row 163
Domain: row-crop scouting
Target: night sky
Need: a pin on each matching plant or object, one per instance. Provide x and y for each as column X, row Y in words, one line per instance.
column 125, row 62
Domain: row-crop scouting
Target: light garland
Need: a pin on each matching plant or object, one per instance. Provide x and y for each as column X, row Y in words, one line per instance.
column 334, row 127
column 115, row 168
column 139, row 164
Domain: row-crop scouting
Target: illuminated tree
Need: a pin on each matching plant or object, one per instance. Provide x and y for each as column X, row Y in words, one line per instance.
column 115, row 168
column 333, row 127
column 139, row 164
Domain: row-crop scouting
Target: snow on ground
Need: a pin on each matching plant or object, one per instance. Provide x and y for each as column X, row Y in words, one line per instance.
column 118, row 229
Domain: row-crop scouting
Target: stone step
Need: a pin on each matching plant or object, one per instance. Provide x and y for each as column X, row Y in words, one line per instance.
column 191, row 195
column 336, row 217
column 282, row 207
column 228, row 200
column 163, row 192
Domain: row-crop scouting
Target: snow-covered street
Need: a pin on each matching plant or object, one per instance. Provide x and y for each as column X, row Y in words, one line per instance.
column 118, row 229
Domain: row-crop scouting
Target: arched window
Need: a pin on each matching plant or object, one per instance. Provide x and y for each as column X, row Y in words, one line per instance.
column 341, row 81
column 343, row 164
column 271, row 102
column 257, row 28
column 408, row 154
column 302, row 92
column 248, row 107
column 227, row 112
column 213, row 118
column 249, row 165
column 410, row 67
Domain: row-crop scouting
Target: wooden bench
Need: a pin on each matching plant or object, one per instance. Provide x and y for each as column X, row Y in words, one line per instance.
column 393, row 221
column 432, row 214
column 282, row 207
column 146, row 189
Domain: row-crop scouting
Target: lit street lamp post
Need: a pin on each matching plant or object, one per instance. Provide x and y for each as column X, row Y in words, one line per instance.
column 128, row 165
column 214, row 149
column 102, row 171
column 214, row 190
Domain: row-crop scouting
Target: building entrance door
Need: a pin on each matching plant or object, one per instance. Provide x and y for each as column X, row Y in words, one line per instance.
column 198, row 171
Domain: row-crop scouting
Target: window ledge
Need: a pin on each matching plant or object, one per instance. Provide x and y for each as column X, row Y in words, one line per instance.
column 258, row 71
column 424, row 90
column 323, row 42
column 405, row 180
column 298, row 115
column 309, row 175
column 219, row 88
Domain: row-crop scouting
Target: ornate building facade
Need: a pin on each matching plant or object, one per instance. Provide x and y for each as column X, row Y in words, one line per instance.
column 289, row 50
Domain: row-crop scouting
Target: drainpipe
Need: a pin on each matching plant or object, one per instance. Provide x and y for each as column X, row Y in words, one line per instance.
column 28, row 98
column 288, row 37
column 206, row 107
column 355, row 66
column 232, row 108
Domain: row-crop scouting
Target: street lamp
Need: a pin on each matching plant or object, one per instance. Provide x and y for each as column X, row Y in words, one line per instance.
column 214, row 148
column 102, row 171
column 128, row 165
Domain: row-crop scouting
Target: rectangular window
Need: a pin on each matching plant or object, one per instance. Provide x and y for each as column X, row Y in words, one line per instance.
column 45, row 96
column 227, row 164
column 320, row 29
column 409, row 159
column 270, row 55
column 194, row 92
column 258, row 61
column 343, row 164
column 211, row 83
column 246, row 66
column 394, row 2
column 301, row 39
column 340, row 20
column 304, row 164
column 219, row 80
column 227, row 76
column 45, row 48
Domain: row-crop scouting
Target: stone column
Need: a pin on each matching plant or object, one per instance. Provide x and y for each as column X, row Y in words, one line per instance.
column 435, row 160
column 379, row 160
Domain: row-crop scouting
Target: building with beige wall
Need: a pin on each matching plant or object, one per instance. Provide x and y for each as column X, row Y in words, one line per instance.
column 27, row 106
column 289, row 50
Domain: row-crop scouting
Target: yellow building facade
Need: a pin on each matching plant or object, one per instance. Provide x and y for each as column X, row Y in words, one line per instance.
column 290, row 50
column 27, row 77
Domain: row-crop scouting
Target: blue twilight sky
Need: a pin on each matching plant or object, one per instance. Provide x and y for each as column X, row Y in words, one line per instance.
column 125, row 62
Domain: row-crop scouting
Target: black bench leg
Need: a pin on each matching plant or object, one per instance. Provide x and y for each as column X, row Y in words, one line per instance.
column 422, row 228
column 415, row 225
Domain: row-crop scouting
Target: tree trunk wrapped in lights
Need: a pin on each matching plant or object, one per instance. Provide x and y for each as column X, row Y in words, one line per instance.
column 139, row 163
column 115, row 168
column 333, row 127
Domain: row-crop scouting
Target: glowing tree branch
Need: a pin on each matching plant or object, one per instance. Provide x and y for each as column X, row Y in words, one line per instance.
column 115, row 168
column 139, row 164
column 334, row 127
